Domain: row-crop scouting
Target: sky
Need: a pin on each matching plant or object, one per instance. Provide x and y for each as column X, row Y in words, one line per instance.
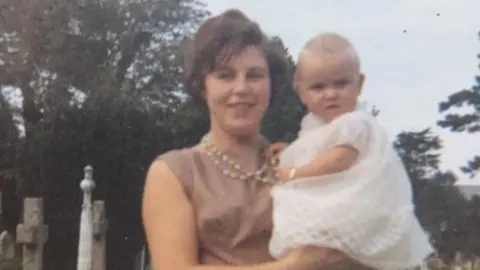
column 415, row 53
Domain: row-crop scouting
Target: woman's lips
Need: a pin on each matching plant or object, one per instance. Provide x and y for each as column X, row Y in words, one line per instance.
column 241, row 109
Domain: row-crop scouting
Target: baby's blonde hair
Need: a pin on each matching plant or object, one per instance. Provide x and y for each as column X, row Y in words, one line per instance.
column 325, row 46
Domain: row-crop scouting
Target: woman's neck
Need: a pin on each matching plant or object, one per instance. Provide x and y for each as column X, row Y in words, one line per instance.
column 242, row 148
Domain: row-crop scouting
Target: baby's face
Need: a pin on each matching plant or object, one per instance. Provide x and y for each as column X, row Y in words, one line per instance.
column 329, row 87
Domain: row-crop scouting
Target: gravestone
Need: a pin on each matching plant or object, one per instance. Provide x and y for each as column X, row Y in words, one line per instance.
column 7, row 246
column 32, row 234
column 99, row 236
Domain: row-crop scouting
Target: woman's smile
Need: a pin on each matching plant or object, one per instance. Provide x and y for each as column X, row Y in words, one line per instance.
column 241, row 108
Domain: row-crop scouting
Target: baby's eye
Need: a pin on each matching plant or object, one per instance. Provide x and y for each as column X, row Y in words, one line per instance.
column 317, row 86
column 341, row 83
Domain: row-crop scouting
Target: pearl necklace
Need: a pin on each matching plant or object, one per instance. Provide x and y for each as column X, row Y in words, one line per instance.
column 233, row 170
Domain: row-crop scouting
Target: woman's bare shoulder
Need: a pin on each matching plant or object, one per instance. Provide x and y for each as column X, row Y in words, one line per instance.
column 168, row 219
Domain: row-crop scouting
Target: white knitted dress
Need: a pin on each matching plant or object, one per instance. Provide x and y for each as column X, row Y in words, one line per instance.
column 366, row 211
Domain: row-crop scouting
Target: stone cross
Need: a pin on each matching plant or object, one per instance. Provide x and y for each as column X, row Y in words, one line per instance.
column 32, row 234
column 99, row 236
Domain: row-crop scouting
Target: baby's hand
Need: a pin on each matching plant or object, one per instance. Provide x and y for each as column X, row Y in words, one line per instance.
column 285, row 174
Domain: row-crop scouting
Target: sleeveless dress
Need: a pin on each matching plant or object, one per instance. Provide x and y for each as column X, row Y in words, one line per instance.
column 366, row 211
column 233, row 218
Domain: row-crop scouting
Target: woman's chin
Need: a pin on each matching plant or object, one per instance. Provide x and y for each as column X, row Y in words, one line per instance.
column 244, row 128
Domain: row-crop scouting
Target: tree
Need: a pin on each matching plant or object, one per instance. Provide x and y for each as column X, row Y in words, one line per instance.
column 465, row 122
column 100, row 83
column 282, row 119
column 419, row 152
column 474, row 213
column 441, row 208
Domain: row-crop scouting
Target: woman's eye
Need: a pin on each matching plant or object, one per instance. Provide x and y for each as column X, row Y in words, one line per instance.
column 255, row 75
column 225, row 75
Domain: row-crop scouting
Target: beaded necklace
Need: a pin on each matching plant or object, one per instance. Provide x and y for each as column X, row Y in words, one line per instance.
column 229, row 168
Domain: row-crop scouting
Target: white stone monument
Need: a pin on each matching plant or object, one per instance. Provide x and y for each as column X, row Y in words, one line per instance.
column 85, row 240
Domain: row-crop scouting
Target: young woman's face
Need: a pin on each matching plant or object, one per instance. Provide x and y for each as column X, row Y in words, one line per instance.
column 238, row 92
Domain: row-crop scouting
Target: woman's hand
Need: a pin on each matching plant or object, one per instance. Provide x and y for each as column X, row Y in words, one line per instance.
column 312, row 258
column 274, row 149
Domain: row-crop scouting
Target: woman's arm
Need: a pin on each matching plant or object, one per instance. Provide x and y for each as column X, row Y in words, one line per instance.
column 346, row 264
column 169, row 223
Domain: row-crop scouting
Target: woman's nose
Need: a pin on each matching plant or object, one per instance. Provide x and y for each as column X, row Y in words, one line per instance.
column 241, row 85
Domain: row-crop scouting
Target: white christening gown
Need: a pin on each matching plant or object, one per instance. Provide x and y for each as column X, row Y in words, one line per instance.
column 367, row 211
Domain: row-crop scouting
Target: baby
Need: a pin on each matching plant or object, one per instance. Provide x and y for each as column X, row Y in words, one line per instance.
column 344, row 185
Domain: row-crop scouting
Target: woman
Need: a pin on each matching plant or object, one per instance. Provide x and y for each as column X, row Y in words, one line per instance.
column 209, row 207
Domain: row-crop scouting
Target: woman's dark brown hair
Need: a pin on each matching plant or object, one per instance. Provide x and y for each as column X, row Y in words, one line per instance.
column 221, row 37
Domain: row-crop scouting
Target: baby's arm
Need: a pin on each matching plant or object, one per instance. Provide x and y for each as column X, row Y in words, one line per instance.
column 337, row 159
column 350, row 137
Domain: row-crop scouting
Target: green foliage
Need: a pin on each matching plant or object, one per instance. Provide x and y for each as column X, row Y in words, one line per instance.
column 453, row 221
column 464, row 122
column 101, row 85
column 442, row 209
column 419, row 152
column 467, row 122
column 472, row 166
column 282, row 120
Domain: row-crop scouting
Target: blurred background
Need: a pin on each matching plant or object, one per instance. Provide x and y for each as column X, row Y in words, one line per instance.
column 98, row 82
